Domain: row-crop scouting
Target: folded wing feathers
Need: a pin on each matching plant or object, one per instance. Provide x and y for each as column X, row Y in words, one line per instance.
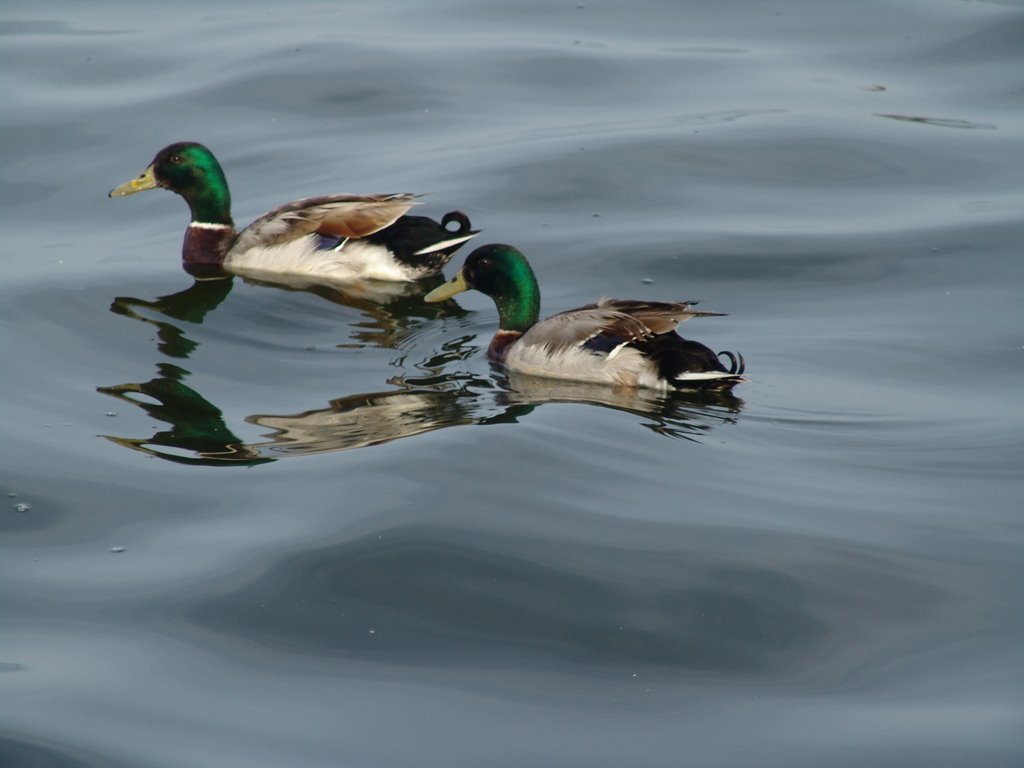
column 598, row 330
column 611, row 323
column 331, row 215
column 658, row 316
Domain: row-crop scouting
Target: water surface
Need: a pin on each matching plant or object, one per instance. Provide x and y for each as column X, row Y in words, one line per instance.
column 261, row 524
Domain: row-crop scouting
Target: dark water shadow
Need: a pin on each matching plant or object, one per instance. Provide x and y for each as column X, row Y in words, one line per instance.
column 633, row 596
column 18, row 752
column 941, row 122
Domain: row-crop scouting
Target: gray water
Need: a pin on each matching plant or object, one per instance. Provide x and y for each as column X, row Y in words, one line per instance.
column 264, row 525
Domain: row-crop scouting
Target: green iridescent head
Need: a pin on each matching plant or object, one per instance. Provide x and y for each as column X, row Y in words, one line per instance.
column 504, row 274
column 190, row 170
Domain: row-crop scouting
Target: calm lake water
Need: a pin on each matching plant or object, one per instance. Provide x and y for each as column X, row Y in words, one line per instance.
column 262, row 525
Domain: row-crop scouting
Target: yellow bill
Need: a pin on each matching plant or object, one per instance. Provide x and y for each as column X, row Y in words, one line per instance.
column 145, row 180
column 446, row 290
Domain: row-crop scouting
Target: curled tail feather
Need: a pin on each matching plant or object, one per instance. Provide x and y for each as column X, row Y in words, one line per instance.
column 737, row 365
column 459, row 218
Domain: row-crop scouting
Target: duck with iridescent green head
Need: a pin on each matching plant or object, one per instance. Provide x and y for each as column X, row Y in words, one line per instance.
column 621, row 342
column 332, row 237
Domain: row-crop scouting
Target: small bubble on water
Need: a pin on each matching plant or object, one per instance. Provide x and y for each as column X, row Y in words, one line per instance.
column 117, row 550
column 21, row 506
column 647, row 281
column 111, row 413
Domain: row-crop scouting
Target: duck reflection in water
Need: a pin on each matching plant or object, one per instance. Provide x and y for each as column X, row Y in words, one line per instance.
column 391, row 309
column 359, row 421
column 686, row 414
column 198, row 433
column 191, row 305
column 440, row 393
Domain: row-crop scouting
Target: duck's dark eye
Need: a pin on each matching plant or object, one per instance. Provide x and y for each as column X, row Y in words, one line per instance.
column 175, row 159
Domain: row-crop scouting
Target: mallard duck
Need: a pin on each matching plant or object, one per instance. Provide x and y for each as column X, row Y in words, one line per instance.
column 337, row 237
column 615, row 341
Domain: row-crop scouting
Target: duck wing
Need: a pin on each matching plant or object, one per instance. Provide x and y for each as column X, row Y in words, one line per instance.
column 658, row 316
column 338, row 216
column 591, row 327
column 610, row 323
